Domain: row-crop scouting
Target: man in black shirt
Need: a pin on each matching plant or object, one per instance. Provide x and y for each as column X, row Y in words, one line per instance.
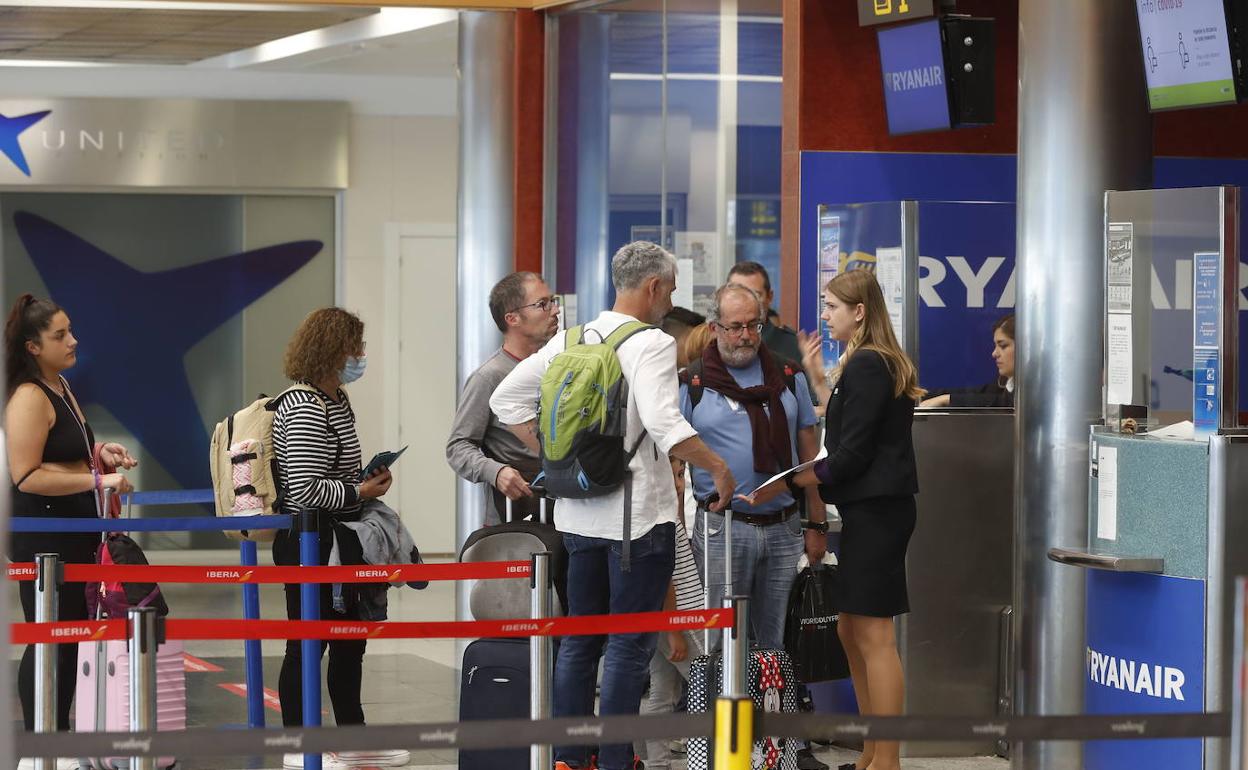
column 780, row 340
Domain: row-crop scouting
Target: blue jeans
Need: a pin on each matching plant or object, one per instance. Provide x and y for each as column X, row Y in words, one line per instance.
column 764, row 566
column 597, row 586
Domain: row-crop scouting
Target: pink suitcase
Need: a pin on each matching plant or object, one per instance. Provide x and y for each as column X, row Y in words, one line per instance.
column 102, row 703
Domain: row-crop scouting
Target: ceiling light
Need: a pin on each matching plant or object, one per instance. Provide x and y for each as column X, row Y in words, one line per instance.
column 161, row 5
column 384, row 23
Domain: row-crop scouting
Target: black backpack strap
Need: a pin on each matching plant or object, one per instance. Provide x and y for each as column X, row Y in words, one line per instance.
column 691, row 378
column 789, row 369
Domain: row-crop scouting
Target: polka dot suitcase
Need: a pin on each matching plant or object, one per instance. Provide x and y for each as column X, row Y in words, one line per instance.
column 772, row 686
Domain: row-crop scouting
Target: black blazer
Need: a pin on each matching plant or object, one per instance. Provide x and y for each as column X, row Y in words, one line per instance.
column 990, row 395
column 870, row 450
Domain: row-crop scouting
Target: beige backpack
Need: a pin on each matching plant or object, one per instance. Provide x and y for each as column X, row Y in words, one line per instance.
column 244, row 463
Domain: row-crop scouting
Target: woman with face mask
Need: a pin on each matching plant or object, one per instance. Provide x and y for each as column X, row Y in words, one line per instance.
column 53, row 472
column 318, row 456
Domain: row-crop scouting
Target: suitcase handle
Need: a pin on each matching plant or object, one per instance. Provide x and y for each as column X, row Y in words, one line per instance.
column 704, row 509
column 543, row 510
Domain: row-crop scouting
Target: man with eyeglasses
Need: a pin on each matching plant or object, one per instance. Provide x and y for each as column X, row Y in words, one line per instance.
column 480, row 448
column 780, row 340
column 753, row 409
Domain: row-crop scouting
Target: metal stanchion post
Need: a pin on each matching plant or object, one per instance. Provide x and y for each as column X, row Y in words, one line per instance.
column 47, row 590
column 734, row 710
column 541, row 665
column 143, row 642
column 310, row 609
column 252, row 656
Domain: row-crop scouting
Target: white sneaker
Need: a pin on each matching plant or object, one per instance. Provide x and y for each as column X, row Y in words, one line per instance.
column 380, row 758
column 62, row 763
column 295, row 762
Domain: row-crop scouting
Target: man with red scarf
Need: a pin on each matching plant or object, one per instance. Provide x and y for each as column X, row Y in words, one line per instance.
column 754, row 410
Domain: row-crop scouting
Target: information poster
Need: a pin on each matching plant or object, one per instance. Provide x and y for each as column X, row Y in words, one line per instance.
column 1120, row 252
column 700, row 250
column 1187, row 57
column 891, row 275
column 651, row 233
column 1206, row 354
column 829, row 266
column 1118, row 376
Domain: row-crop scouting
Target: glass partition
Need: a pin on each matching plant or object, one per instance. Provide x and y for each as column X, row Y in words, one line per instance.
column 665, row 127
column 1174, row 307
column 947, row 272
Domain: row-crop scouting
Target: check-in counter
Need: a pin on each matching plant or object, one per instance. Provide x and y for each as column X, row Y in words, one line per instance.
column 954, row 641
column 1167, row 536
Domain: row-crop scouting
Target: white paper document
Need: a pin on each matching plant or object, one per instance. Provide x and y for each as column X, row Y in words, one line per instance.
column 1180, row 431
column 823, row 452
column 1120, row 365
column 1107, row 492
column 683, row 296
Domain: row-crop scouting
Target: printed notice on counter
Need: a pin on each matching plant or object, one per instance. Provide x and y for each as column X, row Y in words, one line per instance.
column 1206, row 280
column 1119, row 376
column 1107, row 492
column 1119, row 256
column 891, row 275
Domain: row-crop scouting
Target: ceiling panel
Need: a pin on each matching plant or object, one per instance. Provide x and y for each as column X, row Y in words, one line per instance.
column 152, row 36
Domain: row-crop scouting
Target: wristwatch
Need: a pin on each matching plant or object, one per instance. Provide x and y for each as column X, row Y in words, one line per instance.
column 818, row 526
column 794, row 489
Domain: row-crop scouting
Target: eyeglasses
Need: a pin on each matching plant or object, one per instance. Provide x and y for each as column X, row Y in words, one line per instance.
column 543, row 305
column 736, row 329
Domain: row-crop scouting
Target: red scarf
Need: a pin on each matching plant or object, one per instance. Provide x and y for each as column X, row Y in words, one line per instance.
column 773, row 450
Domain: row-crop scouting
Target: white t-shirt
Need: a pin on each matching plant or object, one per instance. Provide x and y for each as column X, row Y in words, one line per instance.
column 648, row 361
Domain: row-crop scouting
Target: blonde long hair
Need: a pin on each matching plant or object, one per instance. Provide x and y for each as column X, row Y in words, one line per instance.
column 859, row 287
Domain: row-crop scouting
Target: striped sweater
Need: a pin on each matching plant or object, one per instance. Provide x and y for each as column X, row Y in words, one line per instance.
column 318, row 453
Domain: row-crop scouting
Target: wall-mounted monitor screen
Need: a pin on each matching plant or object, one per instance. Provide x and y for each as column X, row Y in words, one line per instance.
column 1187, row 53
column 916, row 93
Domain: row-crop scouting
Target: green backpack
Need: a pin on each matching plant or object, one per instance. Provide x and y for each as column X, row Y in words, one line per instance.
column 582, row 416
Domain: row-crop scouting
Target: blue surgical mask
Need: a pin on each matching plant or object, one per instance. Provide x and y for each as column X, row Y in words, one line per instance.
column 353, row 369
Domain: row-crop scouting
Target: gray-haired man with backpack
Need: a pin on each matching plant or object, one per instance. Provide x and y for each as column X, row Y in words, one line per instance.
column 609, row 420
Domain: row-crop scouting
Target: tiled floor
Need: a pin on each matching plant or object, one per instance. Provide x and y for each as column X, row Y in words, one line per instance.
column 405, row 681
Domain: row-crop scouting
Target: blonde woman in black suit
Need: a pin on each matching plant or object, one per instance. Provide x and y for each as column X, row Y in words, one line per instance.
column 869, row 474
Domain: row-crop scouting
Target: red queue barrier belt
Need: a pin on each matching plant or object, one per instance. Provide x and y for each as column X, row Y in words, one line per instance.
column 382, row 573
column 198, row 629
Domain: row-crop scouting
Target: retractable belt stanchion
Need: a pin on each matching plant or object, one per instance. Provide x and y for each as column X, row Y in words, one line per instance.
column 47, row 591
column 252, row 655
column 540, row 663
column 734, row 710
column 310, row 609
column 143, row 641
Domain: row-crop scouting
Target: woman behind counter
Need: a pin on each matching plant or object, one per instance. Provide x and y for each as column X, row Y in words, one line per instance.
column 999, row 392
column 869, row 474
column 54, row 474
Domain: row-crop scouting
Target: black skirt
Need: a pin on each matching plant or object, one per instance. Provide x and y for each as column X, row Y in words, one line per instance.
column 871, row 579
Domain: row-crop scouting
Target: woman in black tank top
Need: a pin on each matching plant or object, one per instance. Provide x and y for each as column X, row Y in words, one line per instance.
column 50, row 448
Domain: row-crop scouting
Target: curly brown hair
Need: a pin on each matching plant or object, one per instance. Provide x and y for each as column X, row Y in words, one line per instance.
column 322, row 344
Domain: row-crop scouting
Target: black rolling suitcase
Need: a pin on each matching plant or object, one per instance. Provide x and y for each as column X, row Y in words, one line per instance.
column 515, row 541
column 769, row 680
column 494, row 679
column 494, row 684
